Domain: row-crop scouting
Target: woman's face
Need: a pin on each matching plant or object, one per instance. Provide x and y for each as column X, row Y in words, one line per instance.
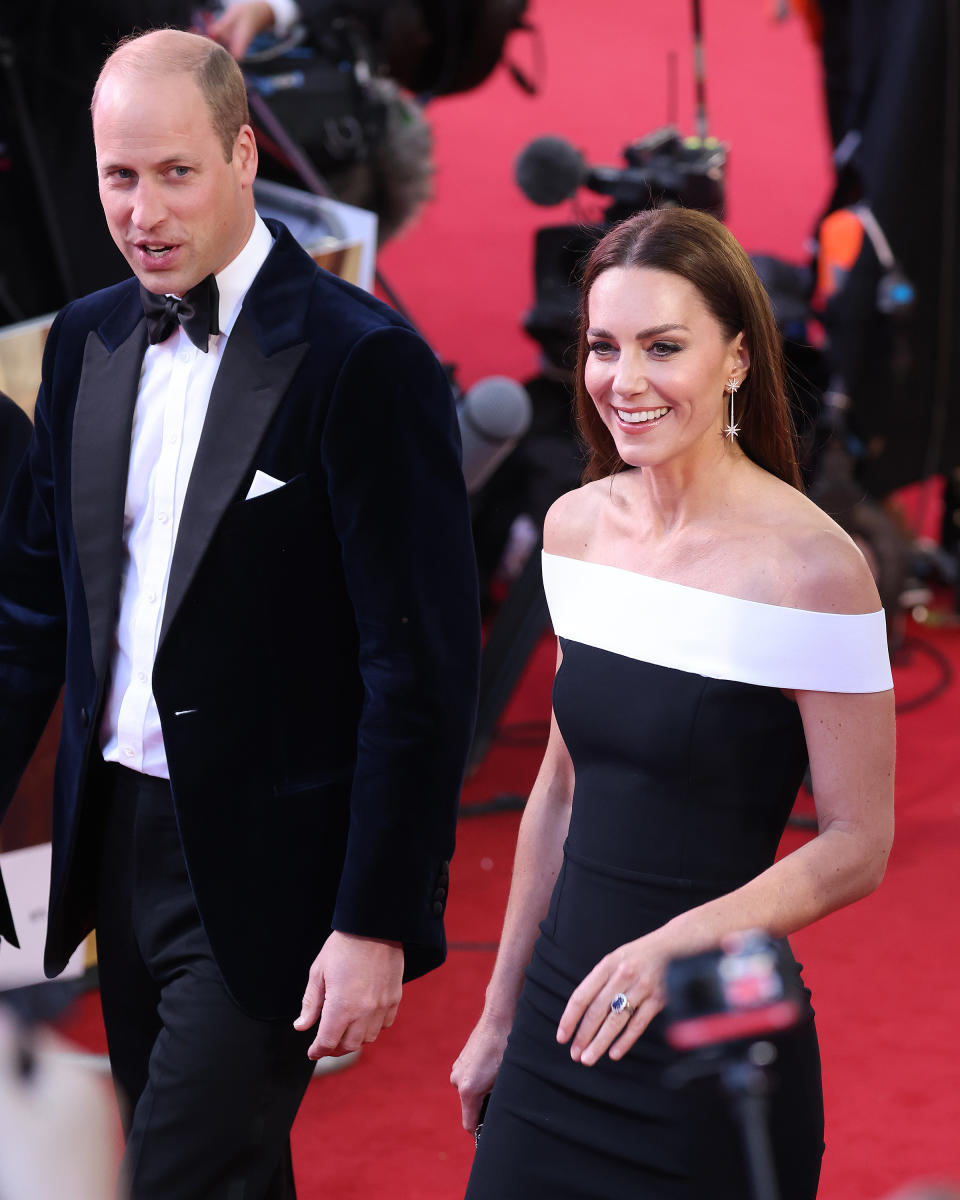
column 658, row 364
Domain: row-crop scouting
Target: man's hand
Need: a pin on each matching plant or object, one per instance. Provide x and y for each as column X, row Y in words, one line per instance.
column 354, row 988
column 240, row 24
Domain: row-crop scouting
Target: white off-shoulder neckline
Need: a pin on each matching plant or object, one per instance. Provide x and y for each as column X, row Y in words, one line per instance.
column 711, row 634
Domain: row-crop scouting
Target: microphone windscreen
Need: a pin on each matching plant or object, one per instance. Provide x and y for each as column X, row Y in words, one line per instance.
column 549, row 170
column 493, row 415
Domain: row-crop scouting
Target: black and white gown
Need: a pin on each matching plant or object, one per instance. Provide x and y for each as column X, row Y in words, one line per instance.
column 687, row 759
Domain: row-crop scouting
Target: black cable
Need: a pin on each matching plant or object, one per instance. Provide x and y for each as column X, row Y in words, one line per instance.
column 523, row 733
column 503, row 802
column 942, row 684
column 534, row 85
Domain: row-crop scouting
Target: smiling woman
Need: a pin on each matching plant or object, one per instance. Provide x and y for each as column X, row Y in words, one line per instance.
column 716, row 631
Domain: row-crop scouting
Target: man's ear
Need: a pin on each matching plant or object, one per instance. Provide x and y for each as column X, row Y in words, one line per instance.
column 245, row 155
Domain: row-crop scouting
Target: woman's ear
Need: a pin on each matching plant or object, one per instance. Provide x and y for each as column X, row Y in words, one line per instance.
column 739, row 358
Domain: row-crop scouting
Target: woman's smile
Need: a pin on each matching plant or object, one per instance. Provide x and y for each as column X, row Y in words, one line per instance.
column 640, row 420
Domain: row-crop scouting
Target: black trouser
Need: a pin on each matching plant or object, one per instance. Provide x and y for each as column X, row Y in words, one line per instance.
column 209, row 1093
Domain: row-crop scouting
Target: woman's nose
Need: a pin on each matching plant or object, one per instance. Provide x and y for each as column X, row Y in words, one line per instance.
column 630, row 377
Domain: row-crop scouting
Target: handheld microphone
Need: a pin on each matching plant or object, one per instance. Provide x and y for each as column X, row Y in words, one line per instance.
column 493, row 415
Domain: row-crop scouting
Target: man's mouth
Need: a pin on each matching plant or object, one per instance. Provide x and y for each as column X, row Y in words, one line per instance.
column 155, row 250
column 640, row 416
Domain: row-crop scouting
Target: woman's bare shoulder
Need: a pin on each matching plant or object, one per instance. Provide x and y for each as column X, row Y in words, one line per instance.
column 571, row 519
column 822, row 569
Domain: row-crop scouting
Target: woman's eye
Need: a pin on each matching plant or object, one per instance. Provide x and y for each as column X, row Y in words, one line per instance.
column 600, row 348
column 663, row 349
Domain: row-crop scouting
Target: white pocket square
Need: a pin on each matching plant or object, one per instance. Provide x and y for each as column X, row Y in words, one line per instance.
column 263, row 483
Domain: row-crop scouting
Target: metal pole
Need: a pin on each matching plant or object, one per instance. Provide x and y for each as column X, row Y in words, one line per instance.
column 699, row 72
column 747, row 1086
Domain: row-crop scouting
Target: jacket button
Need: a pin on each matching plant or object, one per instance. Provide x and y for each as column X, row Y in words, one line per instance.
column 438, row 908
column 84, row 717
column 440, row 893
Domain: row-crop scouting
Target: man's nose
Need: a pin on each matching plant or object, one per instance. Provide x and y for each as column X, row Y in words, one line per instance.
column 148, row 207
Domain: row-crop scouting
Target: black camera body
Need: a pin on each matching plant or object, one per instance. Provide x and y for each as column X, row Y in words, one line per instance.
column 665, row 168
column 746, row 990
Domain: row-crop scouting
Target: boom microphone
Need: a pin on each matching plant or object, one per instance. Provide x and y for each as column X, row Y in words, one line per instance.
column 549, row 170
column 493, row 415
column 662, row 168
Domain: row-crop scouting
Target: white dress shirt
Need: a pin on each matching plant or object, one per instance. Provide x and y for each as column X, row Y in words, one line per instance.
column 175, row 383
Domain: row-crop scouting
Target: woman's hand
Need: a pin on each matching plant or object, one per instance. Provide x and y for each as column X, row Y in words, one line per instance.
column 476, row 1067
column 636, row 971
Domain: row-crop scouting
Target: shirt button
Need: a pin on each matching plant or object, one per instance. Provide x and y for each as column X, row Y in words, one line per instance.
column 142, row 676
column 162, row 518
column 129, row 751
column 172, row 439
column 184, row 356
column 152, row 597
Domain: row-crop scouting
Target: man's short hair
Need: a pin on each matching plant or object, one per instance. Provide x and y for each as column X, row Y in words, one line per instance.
column 164, row 52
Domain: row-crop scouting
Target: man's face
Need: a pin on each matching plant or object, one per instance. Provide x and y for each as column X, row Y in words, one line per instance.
column 175, row 207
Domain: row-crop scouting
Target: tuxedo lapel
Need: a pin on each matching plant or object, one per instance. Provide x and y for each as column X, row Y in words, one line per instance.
column 102, row 425
column 248, row 388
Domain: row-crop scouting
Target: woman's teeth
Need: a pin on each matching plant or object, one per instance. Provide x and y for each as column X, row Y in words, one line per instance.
column 640, row 415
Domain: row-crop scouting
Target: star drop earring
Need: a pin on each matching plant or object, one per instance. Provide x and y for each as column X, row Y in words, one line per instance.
column 732, row 430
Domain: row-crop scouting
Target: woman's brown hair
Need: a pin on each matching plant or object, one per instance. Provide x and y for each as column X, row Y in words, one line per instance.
column 698, row 248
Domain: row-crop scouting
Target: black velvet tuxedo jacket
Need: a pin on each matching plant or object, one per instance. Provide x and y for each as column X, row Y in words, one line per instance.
column 317, row 667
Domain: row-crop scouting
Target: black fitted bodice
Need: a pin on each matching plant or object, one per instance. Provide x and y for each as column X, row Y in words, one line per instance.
column 676, row 774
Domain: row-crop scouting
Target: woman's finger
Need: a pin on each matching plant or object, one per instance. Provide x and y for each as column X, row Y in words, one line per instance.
column 600, row 1029
column 639, row 1020
column 585, row 994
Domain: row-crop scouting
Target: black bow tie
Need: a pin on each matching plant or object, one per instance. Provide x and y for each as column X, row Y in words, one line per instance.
column 198, row 313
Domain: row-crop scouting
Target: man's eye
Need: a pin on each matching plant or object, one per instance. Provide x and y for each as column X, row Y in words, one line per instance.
column 181, row 172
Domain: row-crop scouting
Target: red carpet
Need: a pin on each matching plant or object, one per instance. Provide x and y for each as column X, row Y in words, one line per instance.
column 886, row 973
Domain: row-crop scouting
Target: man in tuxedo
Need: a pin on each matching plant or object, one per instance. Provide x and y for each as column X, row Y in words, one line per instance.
column 240, row 540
